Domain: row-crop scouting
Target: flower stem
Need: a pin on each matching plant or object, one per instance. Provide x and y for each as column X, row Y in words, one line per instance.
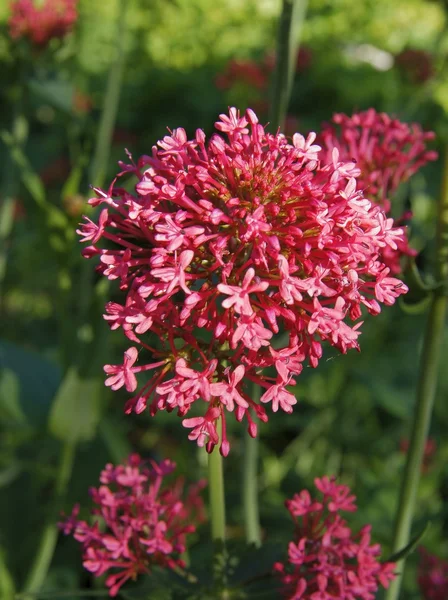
column 44, row 555
column 291, row 19
column 110, row 106
column 218, row 524
column 426, row 388
column 217, row 502
column 250, row 487
column 97, row 174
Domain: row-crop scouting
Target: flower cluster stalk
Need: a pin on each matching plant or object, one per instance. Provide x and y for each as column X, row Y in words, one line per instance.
column 250, row 483
column 426, row 389
column 217, row 501
column 291, row 19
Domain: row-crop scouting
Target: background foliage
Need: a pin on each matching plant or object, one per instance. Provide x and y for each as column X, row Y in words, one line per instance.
column 353, row 414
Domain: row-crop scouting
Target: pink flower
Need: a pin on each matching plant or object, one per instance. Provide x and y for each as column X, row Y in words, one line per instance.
column 238, row 254
column 326, row 560
column 239, row 296
column 386, row 152
column 146, row 521
column 432, row 576
column 123, row 374
column 40, row 22
column 228, row 393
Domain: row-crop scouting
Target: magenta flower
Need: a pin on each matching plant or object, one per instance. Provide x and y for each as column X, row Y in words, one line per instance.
column 241, row 256
column 325, row 559
column 42, row 21
column 432, row 576
column 144, row 521
column 387, row 153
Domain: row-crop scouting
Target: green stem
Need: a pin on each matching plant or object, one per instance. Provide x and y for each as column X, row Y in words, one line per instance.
column 98, row 170
column 47, row 545
column 218, row 524
column 426, row 389
column 216, row 496
column 110, row 107
column 250, row 483
column 10, row 187
column 291, row 20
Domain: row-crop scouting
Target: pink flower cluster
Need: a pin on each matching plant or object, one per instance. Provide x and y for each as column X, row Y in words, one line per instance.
column 140, row 521
column 240, row 256
column 432, row 576
column 325, row 560
column 387, row 152
column 42, row 22
column 256, row 74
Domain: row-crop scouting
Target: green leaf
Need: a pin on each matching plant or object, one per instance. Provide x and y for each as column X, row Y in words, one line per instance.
column 76, row 408
column 403, row 553
column 414, row 278
column 30, row 178
column 56, row 92
column 73, row 183
column 39, row 379
column 415, row 308
column 7, row 587
column 397, row 402
column 10, row 408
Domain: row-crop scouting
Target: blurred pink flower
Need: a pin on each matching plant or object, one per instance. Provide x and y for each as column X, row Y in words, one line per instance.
column 432, row 576
column 325, row 559
column 40, row 22
column 429, row 452
column 241, row 256
column 244, row 71
column 417, row 65
column 144, row 521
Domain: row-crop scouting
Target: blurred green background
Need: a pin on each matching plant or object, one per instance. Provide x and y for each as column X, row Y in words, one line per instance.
column 181, row 63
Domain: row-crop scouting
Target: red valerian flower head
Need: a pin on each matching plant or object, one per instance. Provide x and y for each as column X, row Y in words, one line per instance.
column 432, row 576
column 417, row 65
column 325, row 559
column 40, row 22
column 139, row 521
column 387, row 152
column 240, row 256
column 247, row 72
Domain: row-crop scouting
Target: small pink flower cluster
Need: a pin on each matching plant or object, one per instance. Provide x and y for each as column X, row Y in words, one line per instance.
column 240, row 256
column 40, row 23
column 432, row 576
column 387, row 152
column 139, row 521
column 326, row 561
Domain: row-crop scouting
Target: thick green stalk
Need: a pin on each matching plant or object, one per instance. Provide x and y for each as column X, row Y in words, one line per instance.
column 216, row 496
column 250, row 483
column 218, row 524
column 44, row 555
column 291, row 19
column 426, row 389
